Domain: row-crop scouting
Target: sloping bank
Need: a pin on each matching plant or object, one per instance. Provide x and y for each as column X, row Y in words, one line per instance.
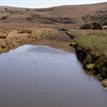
column 91, row 50
column 10, row 39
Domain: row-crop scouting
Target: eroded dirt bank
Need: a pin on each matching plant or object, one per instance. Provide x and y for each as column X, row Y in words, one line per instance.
column 91, row 50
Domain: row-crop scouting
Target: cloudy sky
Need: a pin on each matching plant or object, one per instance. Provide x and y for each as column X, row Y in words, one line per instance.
column 45, row 3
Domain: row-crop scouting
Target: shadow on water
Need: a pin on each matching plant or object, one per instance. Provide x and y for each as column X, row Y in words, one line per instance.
column 41, row 76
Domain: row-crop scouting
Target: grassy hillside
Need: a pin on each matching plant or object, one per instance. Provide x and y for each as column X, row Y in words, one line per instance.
column 61, row 16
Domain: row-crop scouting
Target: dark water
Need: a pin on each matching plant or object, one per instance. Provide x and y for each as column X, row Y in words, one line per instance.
column 40, row 76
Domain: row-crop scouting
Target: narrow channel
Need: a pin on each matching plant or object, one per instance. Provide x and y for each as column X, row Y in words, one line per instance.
column 42, row 76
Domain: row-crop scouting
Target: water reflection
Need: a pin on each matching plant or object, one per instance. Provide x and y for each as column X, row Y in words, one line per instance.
column 41, row 76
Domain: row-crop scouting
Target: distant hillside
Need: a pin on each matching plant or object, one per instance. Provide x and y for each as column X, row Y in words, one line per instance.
column 60, row 16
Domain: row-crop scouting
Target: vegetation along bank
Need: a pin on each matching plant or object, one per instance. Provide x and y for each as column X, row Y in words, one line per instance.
column 91, row 50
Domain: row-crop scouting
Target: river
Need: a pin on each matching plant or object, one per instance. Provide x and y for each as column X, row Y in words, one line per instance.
column 42, row 76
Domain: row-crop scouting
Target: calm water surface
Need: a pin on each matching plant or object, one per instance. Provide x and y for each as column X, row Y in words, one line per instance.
column 41, row 76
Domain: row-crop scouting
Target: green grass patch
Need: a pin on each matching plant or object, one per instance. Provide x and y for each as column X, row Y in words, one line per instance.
column 96, row 41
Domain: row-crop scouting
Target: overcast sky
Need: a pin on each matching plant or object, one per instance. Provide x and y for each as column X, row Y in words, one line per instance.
column 45, row 3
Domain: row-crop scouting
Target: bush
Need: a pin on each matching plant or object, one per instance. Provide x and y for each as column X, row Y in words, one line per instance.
column 105, row 23
column 86, row 26
column 62, row 29
column 4, row 17
column 96, row 26
column 92, row 26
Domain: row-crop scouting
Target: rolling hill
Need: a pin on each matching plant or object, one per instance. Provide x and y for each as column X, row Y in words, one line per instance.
column 60, row 16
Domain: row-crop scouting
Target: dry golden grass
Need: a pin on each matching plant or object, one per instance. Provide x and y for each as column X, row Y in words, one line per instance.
column 15, row 38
